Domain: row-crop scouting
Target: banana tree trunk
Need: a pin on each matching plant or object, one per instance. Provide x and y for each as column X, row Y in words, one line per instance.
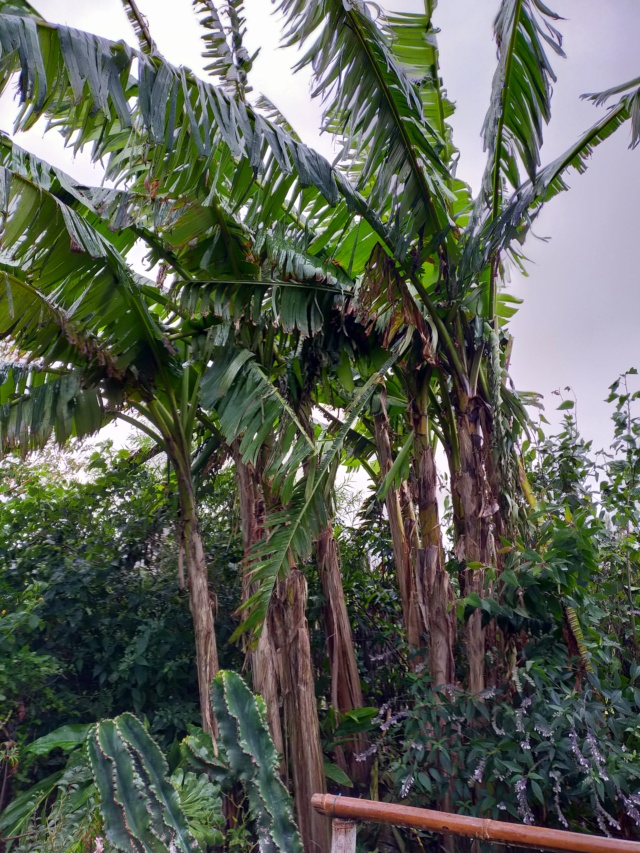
column 473, row 507
column 288, row 624
column 434, row 588
column 403, row 554
column 346, row 691
column 200, row 602
column 262, row 659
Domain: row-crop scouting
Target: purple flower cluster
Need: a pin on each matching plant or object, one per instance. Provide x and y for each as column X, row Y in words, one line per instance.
column 543, row 729
column 632, row 806
column 603, row 818
column 406, row 786
column 362, row 756
column 395, row 718
column 524, row 810
column 478, row 773
column 557, row 788
column 521, row 712
column 382, row 710
column 582, row 761
column 597, row 757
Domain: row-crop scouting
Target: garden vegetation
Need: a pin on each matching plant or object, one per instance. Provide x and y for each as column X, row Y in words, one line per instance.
column 460, row 632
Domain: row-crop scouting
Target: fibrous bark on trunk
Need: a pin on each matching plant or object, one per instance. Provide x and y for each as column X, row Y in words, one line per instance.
column 403, row 553
column 262, row 658
column 346, row 690
column 473, row 508
column 288, row 624
column 345, row 687
column 434, row 588
column 281, row 667
column 200, row 603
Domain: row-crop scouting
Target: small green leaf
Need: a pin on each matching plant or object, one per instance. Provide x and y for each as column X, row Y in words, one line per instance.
column 473, row 600
column 336, row 774
column 508, row 577
column 345, row 374
column 65, row 738
column 537, row 791
column 395, row 472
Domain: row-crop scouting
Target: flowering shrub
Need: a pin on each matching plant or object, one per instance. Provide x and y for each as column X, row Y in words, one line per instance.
column 537, row 751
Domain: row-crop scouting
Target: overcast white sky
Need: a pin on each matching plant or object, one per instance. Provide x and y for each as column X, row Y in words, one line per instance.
column 579, row 325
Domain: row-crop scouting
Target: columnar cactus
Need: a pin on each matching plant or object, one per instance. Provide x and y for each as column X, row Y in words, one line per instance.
column 253, row 761
column 146, row 812
column 141, row 808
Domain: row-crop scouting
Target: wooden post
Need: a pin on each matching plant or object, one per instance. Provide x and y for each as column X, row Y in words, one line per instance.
column 343, row 836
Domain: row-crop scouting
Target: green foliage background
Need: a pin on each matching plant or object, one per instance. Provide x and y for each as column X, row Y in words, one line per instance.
column 94, row 624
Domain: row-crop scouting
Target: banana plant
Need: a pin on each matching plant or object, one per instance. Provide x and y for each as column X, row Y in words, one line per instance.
column 104, row 342
column 95, row 342
column 438, row 257
column 242, row 215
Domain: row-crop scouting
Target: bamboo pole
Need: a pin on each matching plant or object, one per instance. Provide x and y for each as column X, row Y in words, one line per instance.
column 343, row 836
column 349, row 808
